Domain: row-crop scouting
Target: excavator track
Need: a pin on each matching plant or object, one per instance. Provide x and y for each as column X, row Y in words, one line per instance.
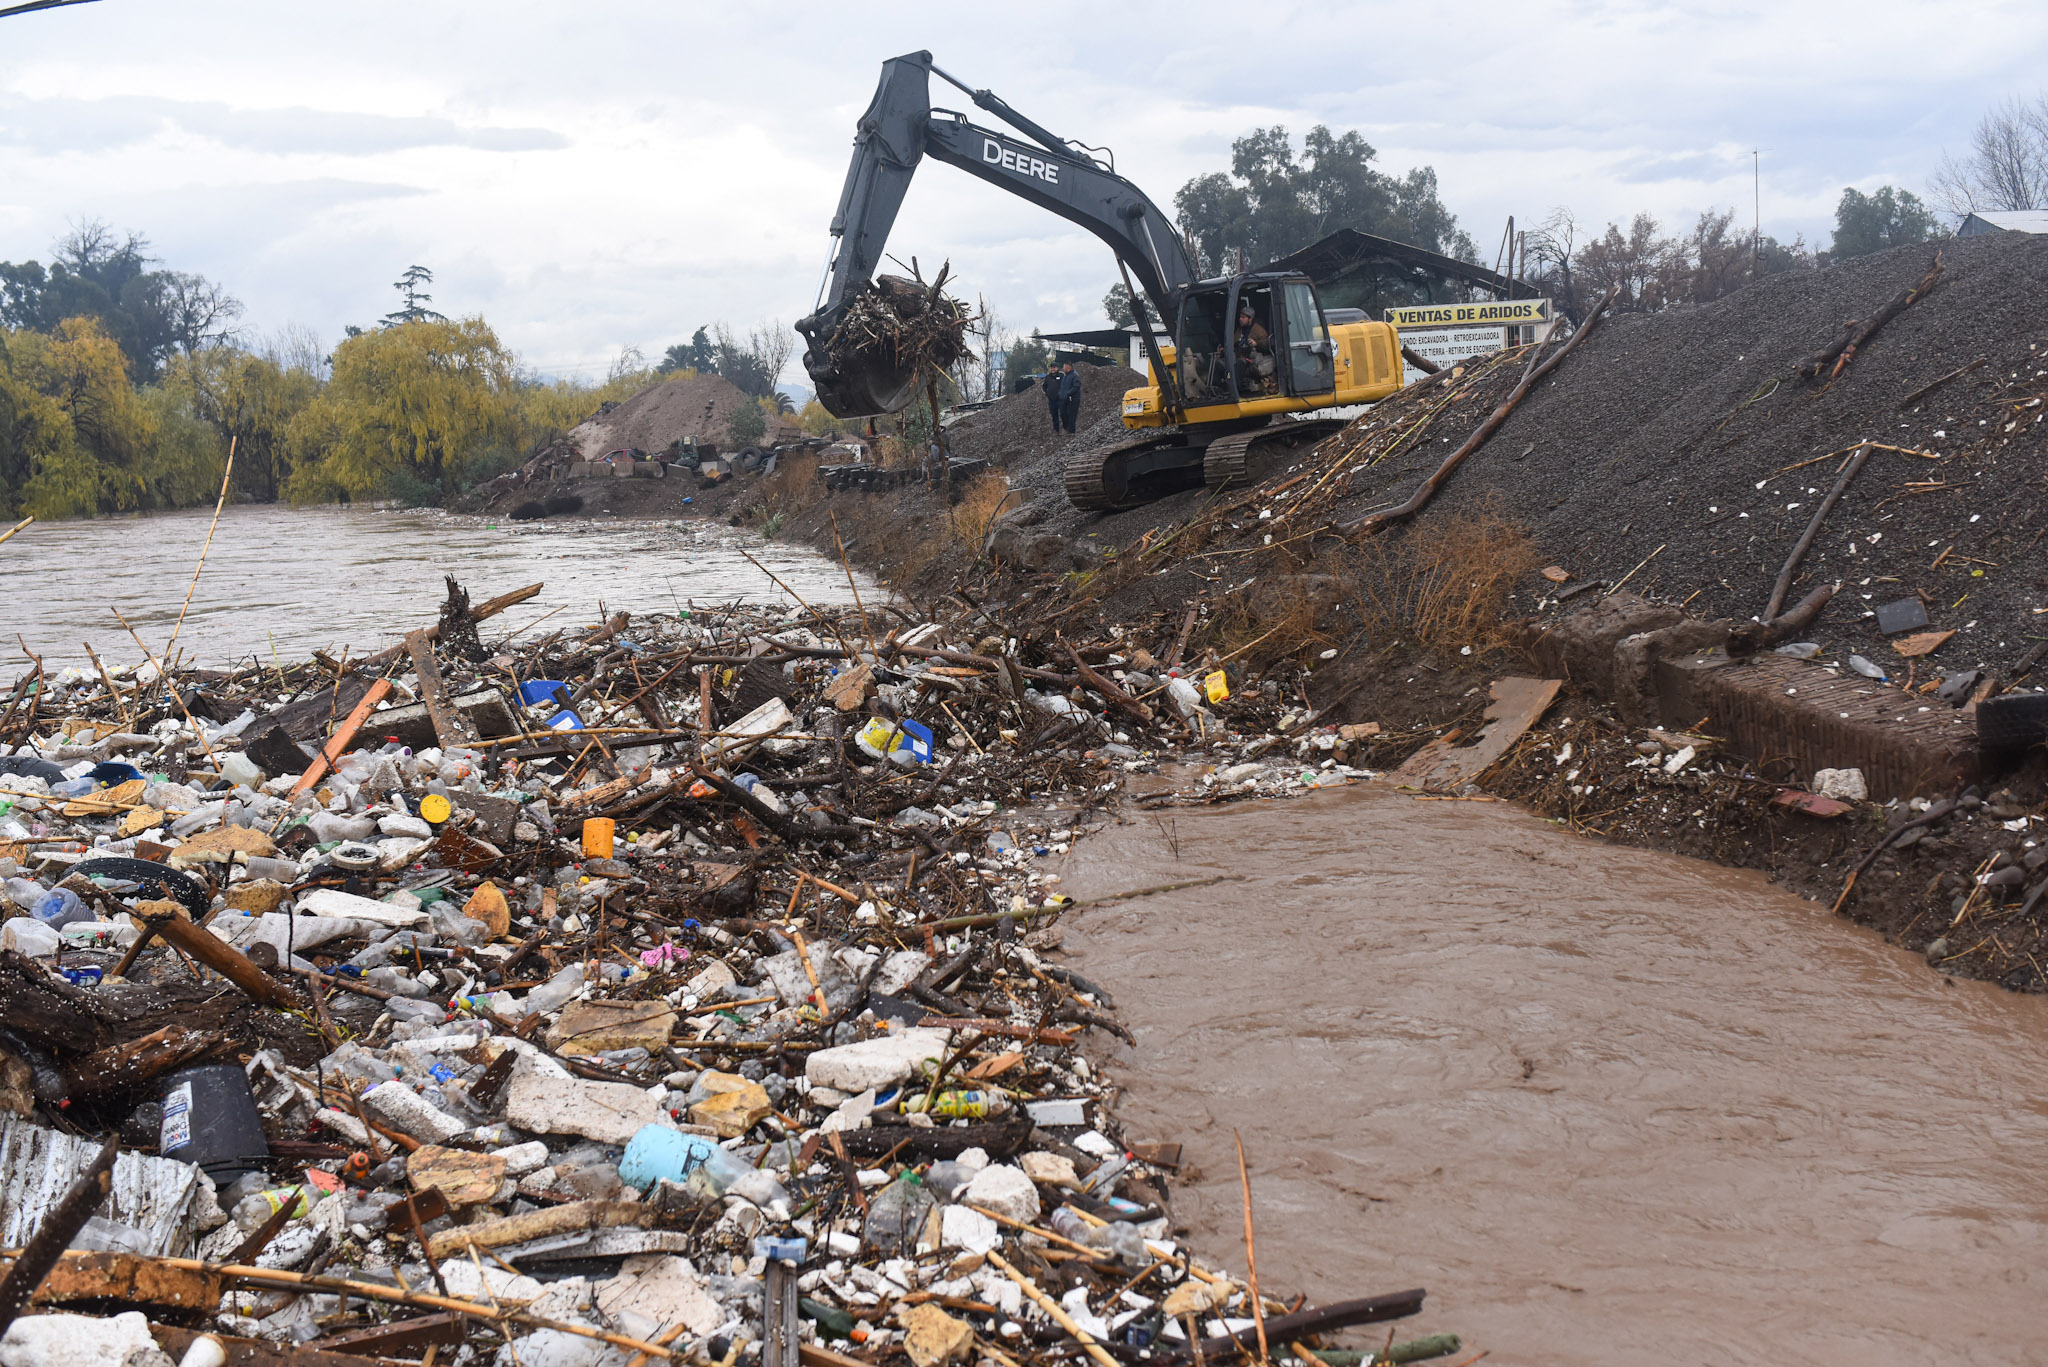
column 1231, row 460
column 1131, row 473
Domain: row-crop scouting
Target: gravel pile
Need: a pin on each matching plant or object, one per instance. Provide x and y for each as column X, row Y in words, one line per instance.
column 1683, row 440
column 1017, row 436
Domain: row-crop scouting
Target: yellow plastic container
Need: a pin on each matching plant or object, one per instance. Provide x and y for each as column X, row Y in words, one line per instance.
column 434, row 809
column 597, row 837
column 1217, row 686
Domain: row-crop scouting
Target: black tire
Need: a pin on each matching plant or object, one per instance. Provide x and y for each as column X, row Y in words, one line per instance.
column 2013, row 723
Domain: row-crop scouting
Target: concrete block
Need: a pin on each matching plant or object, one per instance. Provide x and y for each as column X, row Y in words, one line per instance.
column 609, row 1112
column 1004, row 1190
column 875, row 1063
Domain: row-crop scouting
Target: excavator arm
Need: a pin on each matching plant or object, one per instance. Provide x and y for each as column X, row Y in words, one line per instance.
column 899, row 129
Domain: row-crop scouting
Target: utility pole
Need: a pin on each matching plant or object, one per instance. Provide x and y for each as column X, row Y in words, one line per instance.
column 1756, row 212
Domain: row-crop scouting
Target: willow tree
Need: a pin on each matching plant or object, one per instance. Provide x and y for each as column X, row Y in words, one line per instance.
column 410, row 412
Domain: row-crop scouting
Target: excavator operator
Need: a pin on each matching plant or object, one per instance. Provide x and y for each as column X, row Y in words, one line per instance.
column 1254, row 348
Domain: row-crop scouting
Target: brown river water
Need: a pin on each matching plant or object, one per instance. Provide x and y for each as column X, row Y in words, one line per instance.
column 1608, row 1106
column 300, row 579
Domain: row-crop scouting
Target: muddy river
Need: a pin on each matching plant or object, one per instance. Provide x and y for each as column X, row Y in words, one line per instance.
column 1608, row 1106
column 296, row 580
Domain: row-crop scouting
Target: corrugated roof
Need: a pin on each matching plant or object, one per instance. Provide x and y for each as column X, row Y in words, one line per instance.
column 153, row 1196
column 2010, row 220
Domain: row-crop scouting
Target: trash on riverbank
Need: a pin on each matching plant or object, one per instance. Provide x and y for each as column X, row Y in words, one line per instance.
column 683, row 986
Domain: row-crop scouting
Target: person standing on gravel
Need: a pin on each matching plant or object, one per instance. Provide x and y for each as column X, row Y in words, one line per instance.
column 1070, row 398
column 1051, row 385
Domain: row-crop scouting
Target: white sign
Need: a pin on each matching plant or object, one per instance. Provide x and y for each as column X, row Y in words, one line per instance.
column 1448, row 346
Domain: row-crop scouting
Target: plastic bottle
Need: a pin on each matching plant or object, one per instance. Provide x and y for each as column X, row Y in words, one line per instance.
column 251, row 1211
column 657, row 1153
column 390, row 979
column 26, row 893
column 198, row 818
column 1183, row 696
column 556, row 992
column 958, row 1104
column 60, row 908
column 896, row 1217
column 945, row 1179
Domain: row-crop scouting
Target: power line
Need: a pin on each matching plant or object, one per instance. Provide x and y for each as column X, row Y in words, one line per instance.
column 28, row 5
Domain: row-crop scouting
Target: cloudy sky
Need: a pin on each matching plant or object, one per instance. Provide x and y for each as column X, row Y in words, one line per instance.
column 617, row 172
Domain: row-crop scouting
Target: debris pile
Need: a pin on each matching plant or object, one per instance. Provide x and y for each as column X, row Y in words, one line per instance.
column 914, row 325
column 679, row 988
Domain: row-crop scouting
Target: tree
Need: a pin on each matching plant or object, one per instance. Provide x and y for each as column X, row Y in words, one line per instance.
column 697, row 354
column 783, row 404
column 410, row 286
column 749, row 424
column 1874, row 222
column 1273, row 202
column 1638, row 263
column 628, row 364
column 1117, row 306
column 416, row 411
column 254, row 400
column 1027, row 357
column 97, row 273
column 2007, row 164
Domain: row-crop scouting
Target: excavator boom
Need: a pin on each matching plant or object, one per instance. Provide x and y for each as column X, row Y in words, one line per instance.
column 900, row 129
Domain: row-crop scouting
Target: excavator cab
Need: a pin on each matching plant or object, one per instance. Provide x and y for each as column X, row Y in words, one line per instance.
column 1255, row 337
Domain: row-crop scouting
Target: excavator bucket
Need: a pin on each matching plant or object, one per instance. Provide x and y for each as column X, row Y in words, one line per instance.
column 855, row 383
column 865, row 354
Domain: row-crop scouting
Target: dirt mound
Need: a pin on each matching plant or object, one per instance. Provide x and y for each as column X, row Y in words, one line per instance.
column 1686, row 447
column 701, row 406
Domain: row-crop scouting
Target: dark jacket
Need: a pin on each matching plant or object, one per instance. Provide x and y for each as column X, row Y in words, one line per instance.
column 1070, row 387
column 1051, row 385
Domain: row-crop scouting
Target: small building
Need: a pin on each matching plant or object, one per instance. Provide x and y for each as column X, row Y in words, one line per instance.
column 2003, row 221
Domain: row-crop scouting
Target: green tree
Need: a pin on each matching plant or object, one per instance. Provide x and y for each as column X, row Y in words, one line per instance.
column 1027, row 358
column 1116, row 305
column 696, row 354
column 416, row 411
column 1872, row 223
column 251, row 399
column 97, row 273
column 749, row 424
column 1272, row 201
column 411, row 286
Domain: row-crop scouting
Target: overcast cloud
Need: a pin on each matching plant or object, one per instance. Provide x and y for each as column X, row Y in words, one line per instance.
column 595, row 176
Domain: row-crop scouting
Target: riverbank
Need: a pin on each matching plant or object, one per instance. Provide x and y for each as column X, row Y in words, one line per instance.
column 1675, row 729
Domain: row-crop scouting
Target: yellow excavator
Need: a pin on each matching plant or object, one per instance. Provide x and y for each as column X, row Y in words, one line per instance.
column 1239, row 355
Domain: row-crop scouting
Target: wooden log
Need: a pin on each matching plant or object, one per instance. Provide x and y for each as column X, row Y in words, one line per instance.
column 125, row 1065
column 224, row 959
column 1300, row 1324
column 490, row 607
column 1843, row 349
column 451, row 728
column 539, row 1224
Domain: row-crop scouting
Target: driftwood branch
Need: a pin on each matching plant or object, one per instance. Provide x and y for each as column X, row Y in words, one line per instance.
column 1843, row 349
column 1820, row 514
column 1372, row 522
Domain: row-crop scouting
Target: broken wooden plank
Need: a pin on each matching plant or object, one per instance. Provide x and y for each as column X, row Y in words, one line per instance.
column 224, row 959
column 128, row 1280
column 451, row 728
column 343, row 734
column 1442, row 766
